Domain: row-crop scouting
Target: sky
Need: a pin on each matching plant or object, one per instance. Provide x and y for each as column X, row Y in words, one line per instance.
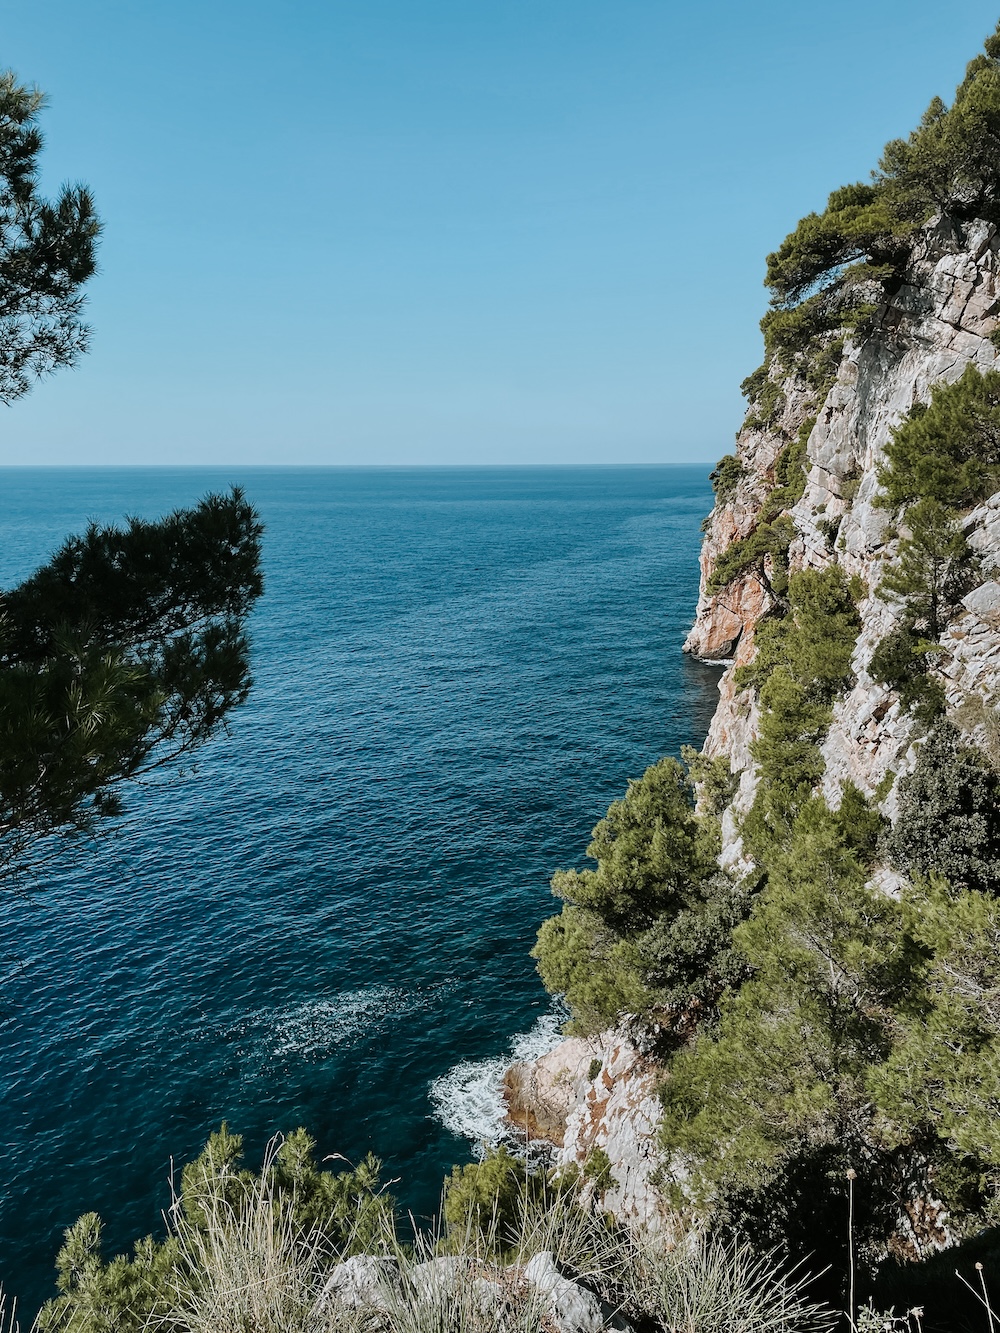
column 444, row 232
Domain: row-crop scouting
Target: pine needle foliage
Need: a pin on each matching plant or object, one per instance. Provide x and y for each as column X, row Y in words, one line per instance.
column 47, row 252
column 829, row 276
column 125, row 652
column 948, row 450
column 648, row 929
column 241, row 1246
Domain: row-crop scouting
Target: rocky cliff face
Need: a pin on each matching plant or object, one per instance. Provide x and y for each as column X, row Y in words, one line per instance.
column 597, row 1093
column 938, row 321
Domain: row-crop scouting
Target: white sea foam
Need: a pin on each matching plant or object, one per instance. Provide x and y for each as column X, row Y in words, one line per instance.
column 315, row 1028
column 319, row 1026
column 468, row 1099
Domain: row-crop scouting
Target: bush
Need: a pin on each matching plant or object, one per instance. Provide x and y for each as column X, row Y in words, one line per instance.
column 763, row 554
column 288, row 1214
column 784, row 1074
column 829, row 275
column 949, row 816
column 726, row 476
column 489, row 1197
column 803, row 662
column 902, row 661
column 647, row 931
column 948, row 450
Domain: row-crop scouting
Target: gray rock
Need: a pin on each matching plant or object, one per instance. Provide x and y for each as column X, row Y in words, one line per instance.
column 984, row 601
column 438, row 1278
column 571, row 1308
column 362, row 1282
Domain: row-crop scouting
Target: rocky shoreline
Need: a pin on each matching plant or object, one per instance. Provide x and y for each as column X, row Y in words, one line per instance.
column 596, row 1094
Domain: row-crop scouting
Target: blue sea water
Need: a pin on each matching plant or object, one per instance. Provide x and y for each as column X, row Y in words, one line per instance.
column 327, row 922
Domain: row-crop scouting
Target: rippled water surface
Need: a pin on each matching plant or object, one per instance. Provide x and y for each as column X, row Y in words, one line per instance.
column 328, row 922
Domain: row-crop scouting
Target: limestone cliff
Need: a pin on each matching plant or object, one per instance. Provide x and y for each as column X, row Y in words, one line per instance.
column 938, row 320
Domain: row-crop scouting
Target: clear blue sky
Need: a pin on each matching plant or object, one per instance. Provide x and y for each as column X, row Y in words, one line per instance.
column 432, row 231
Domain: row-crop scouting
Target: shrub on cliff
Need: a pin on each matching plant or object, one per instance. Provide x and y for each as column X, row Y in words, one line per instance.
column 783, row 1077
column 944, row 457
column 802, row 663
column 942, row 1076
column 949, row 814
column 725, row 477
column 762, row 554
column 648, row 929
column 947, row 450
column 831, row 272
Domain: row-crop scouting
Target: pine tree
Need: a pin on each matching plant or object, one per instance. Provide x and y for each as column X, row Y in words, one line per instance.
column 47, row 252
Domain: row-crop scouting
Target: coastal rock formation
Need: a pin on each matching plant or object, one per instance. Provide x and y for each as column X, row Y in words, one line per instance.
column 596, row 1093
column 937, row 323
column 940, row 319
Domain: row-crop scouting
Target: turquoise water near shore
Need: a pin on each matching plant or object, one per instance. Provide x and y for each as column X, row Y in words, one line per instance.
column 328, row 921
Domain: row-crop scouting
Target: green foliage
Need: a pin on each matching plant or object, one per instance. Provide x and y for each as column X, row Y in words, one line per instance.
column 348, row 1209
column 948, row 450
column 714, row 779
column 943, row 456
column 856, row 229
column 648, row 848
column 47, row 252
column 493, row 1202
column 597, row 1170
column 593, row 967
column 943, row 1072
column 803, row 662
column 784, row 1072
column 762, row 555
column 766, row 396
column 125, row 652
column 949, row 814
column 934, row 568
column 123, row 1295
column 789, row 475
column 649, row 929
column 726, row 476
column 830, row 274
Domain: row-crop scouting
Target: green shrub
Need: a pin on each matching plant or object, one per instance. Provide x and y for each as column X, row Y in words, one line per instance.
column 726, row 476
column 902, row 661
column 347, row 1212
column 949, row 814
column 597, row 1170
column 803, row 662
column 714, row 778
column 789, row 475
column 649, row 930
column 948, row 450
column 489, row 1197
column 763, row 554
column 596, row 970
column 784, row 1074
column 942, row 1075
column 830, row 273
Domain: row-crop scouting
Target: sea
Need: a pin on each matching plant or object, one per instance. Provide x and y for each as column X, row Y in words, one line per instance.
column 326, row 921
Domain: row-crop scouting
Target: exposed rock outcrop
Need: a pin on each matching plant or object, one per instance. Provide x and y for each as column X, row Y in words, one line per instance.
column 938, row 322
column 597, row 1093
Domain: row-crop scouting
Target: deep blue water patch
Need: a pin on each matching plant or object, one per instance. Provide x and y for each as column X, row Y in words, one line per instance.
column 456, row 671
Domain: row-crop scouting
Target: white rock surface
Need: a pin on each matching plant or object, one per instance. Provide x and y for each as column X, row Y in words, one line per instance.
column 570, row 1307
column 362, row 1282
